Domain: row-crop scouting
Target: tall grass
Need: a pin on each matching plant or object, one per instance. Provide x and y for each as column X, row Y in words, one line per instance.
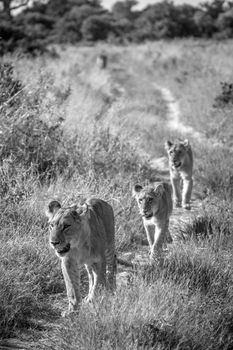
column 75, row 138
column 41, row 160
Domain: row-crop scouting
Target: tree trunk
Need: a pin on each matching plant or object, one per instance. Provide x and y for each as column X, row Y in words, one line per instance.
column 7, row 8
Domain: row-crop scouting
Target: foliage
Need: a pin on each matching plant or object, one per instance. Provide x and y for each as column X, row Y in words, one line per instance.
column 97, row 28
column 73, row 21
column 225, row 98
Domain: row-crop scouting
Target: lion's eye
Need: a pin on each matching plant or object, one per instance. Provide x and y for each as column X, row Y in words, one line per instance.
column 65, row 226
column 140, row 200
column 150, row 199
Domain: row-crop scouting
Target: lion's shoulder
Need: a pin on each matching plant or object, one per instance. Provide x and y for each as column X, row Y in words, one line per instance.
column 101, row 218
column 166, row 205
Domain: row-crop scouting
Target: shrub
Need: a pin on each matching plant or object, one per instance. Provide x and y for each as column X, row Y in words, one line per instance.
column 97, row 27
column 25, row 136
column 225, row 97
column 9, row 86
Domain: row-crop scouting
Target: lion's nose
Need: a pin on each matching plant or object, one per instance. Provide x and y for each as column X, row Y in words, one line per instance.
column 54, row 243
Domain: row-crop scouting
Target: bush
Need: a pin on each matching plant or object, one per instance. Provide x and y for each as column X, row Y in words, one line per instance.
column 225, row 98
column 25, row 136
column 97, row 28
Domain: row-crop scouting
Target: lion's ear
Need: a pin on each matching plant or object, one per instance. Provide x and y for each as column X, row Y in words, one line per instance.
column 168, row 144
column 83, row 209
column 186, row 143
column 158, row 190
column 53, row 207
column 137, row 189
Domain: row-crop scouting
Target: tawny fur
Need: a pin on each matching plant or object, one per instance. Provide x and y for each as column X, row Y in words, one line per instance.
column 180, row 158
column 155, row 206
column 84, row 235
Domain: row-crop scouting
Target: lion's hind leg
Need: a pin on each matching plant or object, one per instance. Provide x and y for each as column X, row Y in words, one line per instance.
column 111, row 262
column 91, row 278
column 168, row 238
column 97, row 276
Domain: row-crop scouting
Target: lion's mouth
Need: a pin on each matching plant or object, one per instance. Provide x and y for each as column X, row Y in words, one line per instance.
column 64, row 250
column 148, row 216
column 177, row 164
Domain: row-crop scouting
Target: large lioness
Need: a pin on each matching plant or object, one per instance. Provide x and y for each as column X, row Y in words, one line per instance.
column 180, row 158
column 155, row 206
column 84, row 235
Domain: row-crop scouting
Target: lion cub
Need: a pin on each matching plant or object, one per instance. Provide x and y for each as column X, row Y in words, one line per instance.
column 155, row 206
column 84, row 235
column 180, row 158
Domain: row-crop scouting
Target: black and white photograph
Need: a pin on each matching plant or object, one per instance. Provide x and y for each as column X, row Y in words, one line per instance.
column 116, row 174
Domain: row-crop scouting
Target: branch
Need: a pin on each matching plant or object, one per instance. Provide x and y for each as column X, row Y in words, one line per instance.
column 20, row 5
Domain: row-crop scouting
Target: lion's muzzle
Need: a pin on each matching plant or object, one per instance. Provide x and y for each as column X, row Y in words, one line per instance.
column 147, row 215
column 60, row 250
column 177, row 164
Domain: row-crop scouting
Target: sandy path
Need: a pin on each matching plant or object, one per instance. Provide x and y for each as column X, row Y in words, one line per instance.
column 180, row 217
column 174, row 114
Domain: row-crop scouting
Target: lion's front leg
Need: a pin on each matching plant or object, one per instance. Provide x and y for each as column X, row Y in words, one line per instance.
column 149, row 233
column 159, row 238
column 187, row 191
column 175, row 181
column 111, row 262
column 71, row 274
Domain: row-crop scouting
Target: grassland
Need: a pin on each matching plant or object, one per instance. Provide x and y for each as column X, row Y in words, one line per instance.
column 91, row 132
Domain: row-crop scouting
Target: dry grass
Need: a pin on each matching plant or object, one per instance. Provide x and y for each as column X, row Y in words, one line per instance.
column 112, row 120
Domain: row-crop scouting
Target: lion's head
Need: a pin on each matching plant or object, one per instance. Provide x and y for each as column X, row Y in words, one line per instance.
column 148, row 199
column 65, row 226
column 177, row 152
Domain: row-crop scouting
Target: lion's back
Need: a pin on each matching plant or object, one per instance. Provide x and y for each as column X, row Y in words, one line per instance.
column 166, row 204
column 103, row 214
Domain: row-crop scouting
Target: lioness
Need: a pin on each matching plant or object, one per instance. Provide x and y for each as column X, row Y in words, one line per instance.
column 181, row 169
column 155, row 206
column 84, row 235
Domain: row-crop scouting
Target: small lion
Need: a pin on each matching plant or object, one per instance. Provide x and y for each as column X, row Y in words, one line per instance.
column 84, row 235
column 102, row 60
column 155, row 206
column 181, row 169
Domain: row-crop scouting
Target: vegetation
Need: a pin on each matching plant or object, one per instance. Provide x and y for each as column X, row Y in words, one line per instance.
column 69, row 131
column 33, row 28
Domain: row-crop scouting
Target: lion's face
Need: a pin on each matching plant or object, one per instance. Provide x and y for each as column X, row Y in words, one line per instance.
column 177, row 152
column 65, row 228
column 148, row 199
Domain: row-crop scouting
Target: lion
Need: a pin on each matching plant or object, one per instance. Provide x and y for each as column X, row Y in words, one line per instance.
column 84, row 235
column 102, row 60
column 180, row 158
column 155, row 206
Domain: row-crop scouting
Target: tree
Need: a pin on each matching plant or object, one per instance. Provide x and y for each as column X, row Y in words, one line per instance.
column 97, row 27
column 224, row 24
column 10, row 5
column 123, row 9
